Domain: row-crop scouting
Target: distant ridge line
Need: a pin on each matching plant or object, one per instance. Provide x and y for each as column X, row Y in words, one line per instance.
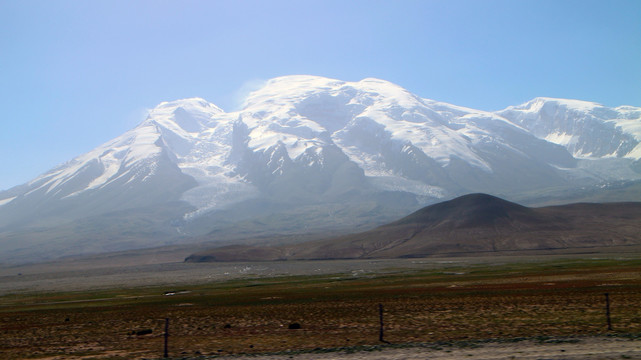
column 470, row 224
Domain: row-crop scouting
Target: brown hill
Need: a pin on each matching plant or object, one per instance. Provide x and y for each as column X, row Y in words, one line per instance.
column 466, row 225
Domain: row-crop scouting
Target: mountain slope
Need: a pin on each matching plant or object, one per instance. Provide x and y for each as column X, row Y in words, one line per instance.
column 587, row 130
column 470, row 224
column 304, row 149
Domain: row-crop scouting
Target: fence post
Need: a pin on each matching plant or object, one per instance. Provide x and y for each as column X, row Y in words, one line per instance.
column 382, row 325
column 607, row 310
column 166, row 337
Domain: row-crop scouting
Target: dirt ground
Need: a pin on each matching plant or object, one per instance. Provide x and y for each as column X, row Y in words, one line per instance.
column 588, row 348
column 433, row 309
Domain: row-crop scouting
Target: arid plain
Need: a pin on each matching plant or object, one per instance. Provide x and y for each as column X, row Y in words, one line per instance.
column 114, row 307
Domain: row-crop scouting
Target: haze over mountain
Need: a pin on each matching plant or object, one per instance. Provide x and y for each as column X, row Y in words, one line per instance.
column 309, row 154
column 468, row 225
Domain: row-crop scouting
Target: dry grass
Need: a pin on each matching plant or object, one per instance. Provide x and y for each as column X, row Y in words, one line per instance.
column 483, row 302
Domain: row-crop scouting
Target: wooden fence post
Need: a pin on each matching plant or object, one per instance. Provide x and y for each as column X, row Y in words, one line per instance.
column 607, row 310
column 166, row 337
column 382, row 324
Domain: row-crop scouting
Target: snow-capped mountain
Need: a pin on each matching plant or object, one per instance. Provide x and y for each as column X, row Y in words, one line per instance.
column 610, row 137
column 309, row 153
column 586, row 129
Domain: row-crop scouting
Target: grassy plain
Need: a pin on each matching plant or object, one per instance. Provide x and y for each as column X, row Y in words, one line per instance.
column 543, row 300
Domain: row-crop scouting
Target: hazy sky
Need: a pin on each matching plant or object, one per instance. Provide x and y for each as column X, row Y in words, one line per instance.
column 74, row 74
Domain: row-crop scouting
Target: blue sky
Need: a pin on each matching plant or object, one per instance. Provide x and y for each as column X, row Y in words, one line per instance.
column 74, row 74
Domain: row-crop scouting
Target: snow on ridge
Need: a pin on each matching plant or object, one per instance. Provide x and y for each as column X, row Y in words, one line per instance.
column 586, row 129
column 288, row 89
column 7, row 200
column 131, row 147
column 629, row 122
column 281, row 110
column 371, row 121
column 563, row 139
column 537, row 104
column 388, row 92
column 199, row 137
column 185, row 116
column 283, row 90
column 189, row 103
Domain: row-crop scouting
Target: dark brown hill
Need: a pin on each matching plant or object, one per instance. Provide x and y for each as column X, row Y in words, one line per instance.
column 473, row 211
column 471, row 224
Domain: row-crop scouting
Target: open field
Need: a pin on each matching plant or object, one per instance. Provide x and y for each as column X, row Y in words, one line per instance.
column 438, row 303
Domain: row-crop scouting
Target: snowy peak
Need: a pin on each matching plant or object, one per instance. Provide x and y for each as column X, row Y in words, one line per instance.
column 586, row 129
column 134, row 156
column 312, row 150
column 311, row 138
column 99, row 167
column 185, row 116
column 544, row 103
column 398, row 140
column 304, row 111
column 289, row 90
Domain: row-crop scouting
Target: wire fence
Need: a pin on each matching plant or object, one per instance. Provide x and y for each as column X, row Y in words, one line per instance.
column 406, row 320
column 192, row 326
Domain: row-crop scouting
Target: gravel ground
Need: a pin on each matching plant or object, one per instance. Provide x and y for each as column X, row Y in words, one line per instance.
column 587, row 348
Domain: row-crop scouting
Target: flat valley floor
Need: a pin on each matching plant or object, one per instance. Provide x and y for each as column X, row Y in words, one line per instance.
column 492, row 307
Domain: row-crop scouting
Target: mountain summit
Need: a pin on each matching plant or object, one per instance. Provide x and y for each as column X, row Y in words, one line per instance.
column 309, row 154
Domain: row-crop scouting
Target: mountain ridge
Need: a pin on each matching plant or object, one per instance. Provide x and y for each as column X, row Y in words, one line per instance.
column 307, row 142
